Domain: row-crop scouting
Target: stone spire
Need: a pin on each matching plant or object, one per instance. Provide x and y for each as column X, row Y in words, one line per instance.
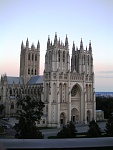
column 73, row 48
column 55, row 39
column 48, row 42
column 90, row 47
column 27, row 43
column 51, row 43
column 86, row 48
column 38, row 45
column 81, row 45
column 22, row 46
column 66, row 42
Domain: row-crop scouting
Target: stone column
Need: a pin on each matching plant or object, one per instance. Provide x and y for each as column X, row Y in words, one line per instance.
column 94, row 106
column 69, row 105
column 49, row 110
column 82, row 107
column 58, row 109
column 85, row 109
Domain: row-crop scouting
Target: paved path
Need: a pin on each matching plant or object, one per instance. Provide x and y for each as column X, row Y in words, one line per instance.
column 80, row 128
column 53, row 132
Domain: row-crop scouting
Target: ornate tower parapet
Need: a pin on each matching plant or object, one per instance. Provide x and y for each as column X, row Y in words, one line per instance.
column 57, row 56
column 82, row 60
column 32, row 47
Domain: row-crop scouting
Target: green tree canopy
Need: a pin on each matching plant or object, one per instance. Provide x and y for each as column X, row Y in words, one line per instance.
column 30, row 112
column 105, row 104
column 94, row 129
column 109, row 126
column 68, row 131
column 2, row 107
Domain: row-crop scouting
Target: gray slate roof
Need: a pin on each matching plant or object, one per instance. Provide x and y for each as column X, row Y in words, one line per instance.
column 36, row 80
column 14, row 80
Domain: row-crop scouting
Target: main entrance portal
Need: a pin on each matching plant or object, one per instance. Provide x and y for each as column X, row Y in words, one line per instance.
column 74, row 115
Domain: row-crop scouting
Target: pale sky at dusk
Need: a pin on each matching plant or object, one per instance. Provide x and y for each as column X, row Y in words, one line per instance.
column 36, row 19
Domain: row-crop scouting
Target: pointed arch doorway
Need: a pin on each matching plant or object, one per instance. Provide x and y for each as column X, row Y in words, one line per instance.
column 63, row 118
column 74, row 115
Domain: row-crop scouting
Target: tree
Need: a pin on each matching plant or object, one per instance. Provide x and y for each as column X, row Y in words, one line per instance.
column 94, row 129
column 68, row 131
column 105, row 104
column 2, row 107
column 109, row 126
column 30, row 112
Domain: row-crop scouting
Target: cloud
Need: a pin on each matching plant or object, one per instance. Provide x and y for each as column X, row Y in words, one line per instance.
column 104, row 76
column 110, row 71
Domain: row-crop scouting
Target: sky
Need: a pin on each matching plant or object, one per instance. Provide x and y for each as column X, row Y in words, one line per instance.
column 36, row 19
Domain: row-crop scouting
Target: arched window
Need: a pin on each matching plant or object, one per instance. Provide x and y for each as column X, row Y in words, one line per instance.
column 25, row 91
column 65, row 92
column 36, row 57
column 59, row 55
column 35, row 91
column 88, row 60
column 31, row 91
column 67, row 56
column 19, row 91
column 35, row 71
column 74, row 91
column 10, row 91
column 50, row 56
column 63, row 56
column 54, row 91
column 60, row 91
column 13, row 91
column 32, row 57
column 12, row 105
column 29, row 56
column 75, row 58
column 28, row 71
column 47, row 91
column 32, row 71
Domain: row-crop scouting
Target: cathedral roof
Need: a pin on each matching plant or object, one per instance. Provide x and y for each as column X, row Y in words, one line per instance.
column 14, row 80
column 36, row 80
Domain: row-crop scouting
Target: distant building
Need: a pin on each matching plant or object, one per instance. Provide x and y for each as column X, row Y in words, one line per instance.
column 99, row 115
column 68, row 92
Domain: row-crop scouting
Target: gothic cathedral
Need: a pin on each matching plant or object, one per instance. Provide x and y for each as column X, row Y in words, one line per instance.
column 66, row 89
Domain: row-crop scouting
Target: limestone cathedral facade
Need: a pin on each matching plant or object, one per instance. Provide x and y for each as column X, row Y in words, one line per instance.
column 66, row 87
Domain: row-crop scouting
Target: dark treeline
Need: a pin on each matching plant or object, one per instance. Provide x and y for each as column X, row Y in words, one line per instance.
column 105, row 104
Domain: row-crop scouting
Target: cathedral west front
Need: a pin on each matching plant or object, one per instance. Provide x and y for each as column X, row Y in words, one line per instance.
column 66, row 86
